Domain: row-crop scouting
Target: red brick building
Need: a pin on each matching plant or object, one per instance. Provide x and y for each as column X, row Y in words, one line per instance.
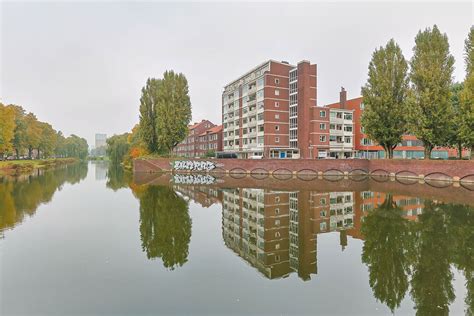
column 410, row 147
column 210, row 140
column 202, row 136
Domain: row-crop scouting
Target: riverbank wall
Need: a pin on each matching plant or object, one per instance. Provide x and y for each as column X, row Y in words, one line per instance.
column 431, row 171
column 26, row 167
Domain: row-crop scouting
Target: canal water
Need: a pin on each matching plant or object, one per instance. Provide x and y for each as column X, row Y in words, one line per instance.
column 91, row 240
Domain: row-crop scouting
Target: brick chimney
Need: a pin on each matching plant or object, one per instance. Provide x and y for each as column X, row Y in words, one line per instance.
column 342, row 98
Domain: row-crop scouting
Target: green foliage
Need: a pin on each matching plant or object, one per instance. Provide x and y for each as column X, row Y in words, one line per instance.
column 7, row 128
column 165, row 112
column 387, row 251
column 430, row 108
column 466, row 124
column 455, row 139
column 30, row 134
column 165, row 225
column 75, row 146
column 385, row 97
column 173, row 113
column 19, row 199
column 47, row 141
column 148, row 109
column 431, row 284
column 210, row 154
column 469, row 51
column 117, row 148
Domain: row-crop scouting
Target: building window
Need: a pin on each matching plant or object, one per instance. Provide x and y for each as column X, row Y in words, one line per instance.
column 277, row 234
column 322, row 113
column 277, row 199
column 277, row 92
column 322, row 126
column 277, row 246
column 277, row 258
column 277, row 139
column 277, row 127
column 362, row 106
column 277, row 81
column 348, row 116
column 277, row 116
column 348, row 128
column 277, row 211
column 277, row 104
column 348, row 139
column 322, row 201
column 322, row 138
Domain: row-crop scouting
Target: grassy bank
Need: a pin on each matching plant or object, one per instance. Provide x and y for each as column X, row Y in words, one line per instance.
column 16, row 167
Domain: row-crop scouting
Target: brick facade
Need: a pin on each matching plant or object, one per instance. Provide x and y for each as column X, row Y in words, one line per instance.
column 203, row 137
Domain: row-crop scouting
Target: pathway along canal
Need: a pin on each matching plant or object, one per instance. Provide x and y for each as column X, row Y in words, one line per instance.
column 88, row 240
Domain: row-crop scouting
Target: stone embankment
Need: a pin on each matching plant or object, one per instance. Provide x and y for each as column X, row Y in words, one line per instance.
column 456, row 172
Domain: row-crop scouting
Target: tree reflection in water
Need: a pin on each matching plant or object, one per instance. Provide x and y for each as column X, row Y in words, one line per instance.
column 165, row 225
column 387, row 251
column 431, row 283
column 22, row 196
column 400, row 253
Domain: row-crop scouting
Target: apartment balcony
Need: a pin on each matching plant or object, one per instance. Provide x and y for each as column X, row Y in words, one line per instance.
column 252, row 123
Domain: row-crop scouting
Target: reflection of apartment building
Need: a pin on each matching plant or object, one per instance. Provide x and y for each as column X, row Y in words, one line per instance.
column 204, row 195
column 367, row 201
column 276, row 231
column 202, row 138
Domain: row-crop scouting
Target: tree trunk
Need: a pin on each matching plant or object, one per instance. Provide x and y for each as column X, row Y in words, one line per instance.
column 428, row 150
column 459, row 150
column 17, row 153
column 30, row 152
column 472, row 153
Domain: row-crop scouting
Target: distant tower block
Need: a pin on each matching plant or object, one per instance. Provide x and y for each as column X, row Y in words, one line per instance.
column 100, row 140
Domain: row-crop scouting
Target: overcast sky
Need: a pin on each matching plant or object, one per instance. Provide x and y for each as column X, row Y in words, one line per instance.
column 80, row 66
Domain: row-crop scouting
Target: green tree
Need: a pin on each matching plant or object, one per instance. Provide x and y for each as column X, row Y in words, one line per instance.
column 455, row 137
column 7, row 129
column 148, row 109
column 117, row 148
column 33, row 132
column 466, row 126
column 431, row 75
column 387, row 252
column 469, row 51
column 165, row 225
column 173, row 112
column 385, row 97
column 48, row 139
column 76, row 147
column 19, row 138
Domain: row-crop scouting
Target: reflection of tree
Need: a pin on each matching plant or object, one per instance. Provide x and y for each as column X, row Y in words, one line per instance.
column 460, row 221
column 387, row 252
column 23, row 195
column 117, row 177
column 165, row 225
column 431, row 284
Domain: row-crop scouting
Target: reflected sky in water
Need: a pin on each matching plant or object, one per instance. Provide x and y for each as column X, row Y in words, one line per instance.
column 73, row 243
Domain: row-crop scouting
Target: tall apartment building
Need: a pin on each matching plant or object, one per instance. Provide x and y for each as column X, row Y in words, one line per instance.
column 201, row 137
column 264, row 111
column 272, row 111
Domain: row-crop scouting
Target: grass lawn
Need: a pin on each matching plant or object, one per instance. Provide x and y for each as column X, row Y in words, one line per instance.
column 34, row 163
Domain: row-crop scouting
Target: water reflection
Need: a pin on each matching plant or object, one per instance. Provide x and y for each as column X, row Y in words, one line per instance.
column 165, row 225
column 411, row 244
column 21, row 196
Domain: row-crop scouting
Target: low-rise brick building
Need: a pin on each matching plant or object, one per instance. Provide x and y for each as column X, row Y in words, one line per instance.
column 203, row 136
